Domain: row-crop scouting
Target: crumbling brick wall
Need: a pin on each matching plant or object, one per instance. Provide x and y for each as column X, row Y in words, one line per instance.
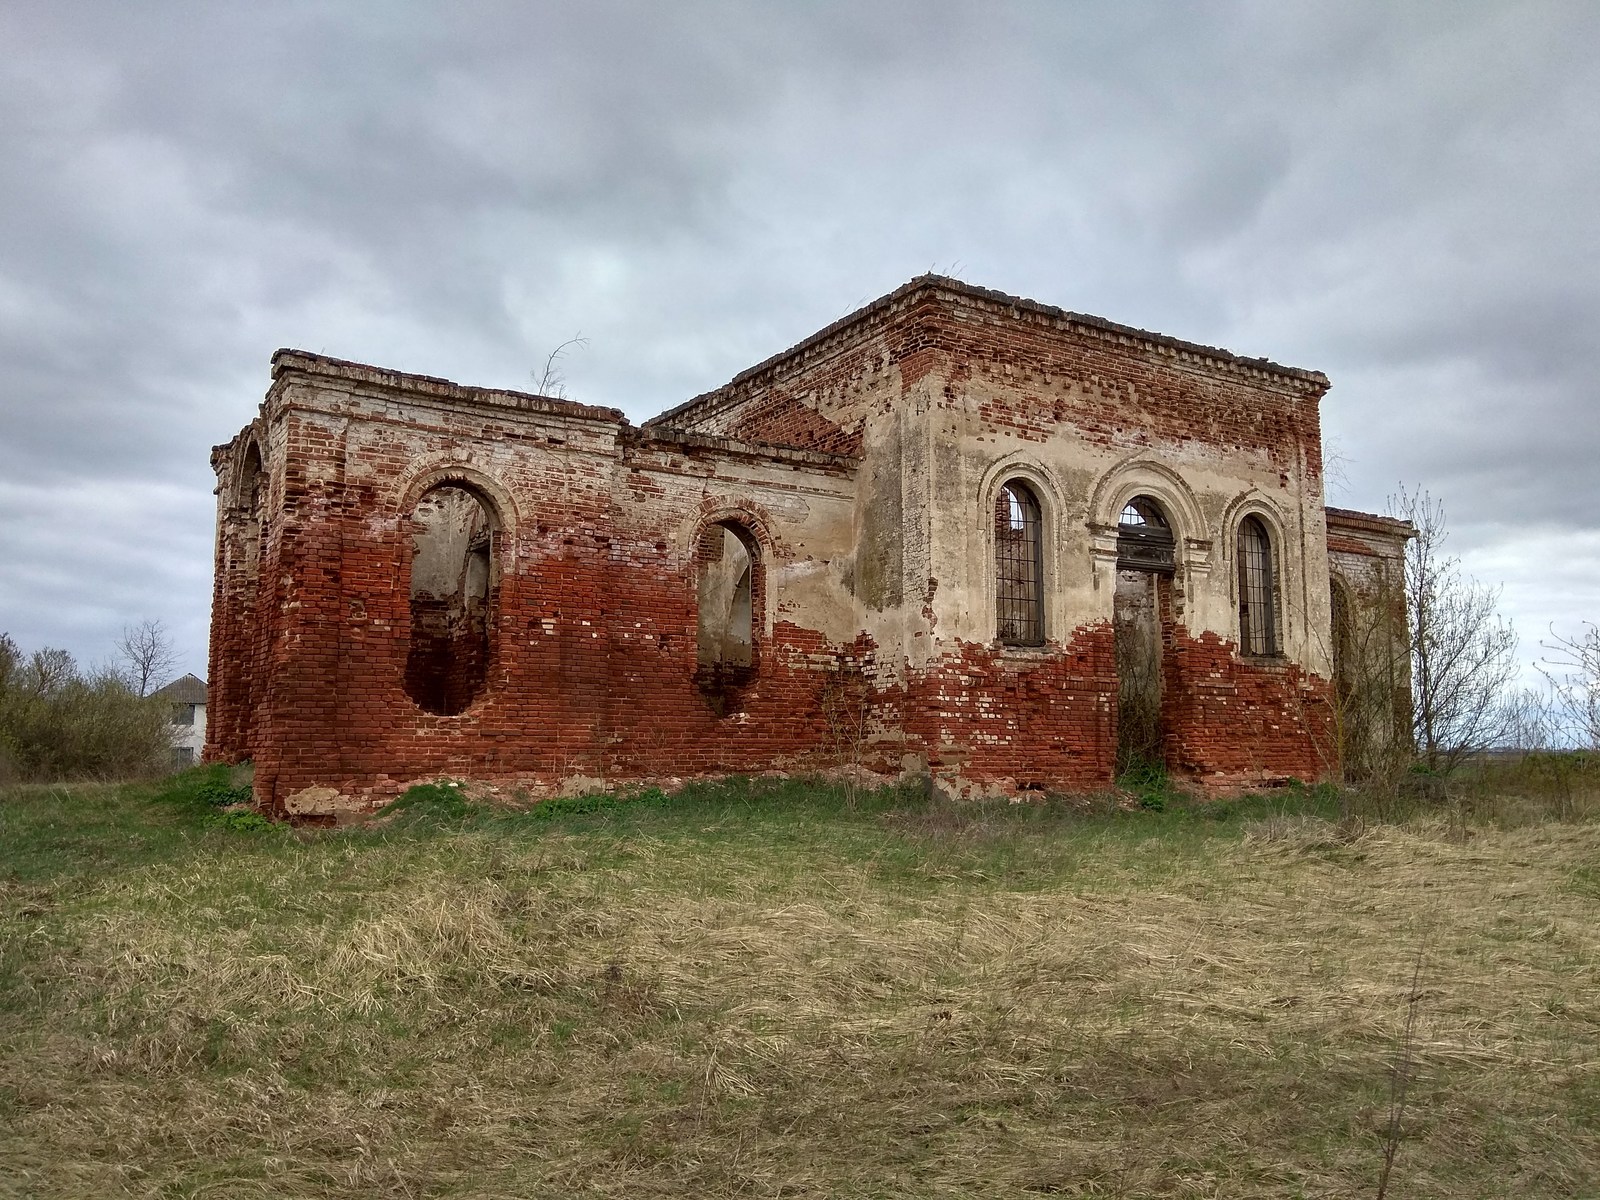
column 1369, row 639
column 592, row 668
column 860, row 468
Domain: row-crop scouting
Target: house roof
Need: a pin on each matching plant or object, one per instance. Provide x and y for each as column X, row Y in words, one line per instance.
column 191, row 689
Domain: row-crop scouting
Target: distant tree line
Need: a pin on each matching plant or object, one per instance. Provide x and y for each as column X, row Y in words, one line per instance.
column 59, row 721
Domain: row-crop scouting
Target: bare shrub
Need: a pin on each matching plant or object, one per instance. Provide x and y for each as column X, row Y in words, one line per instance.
column 551, row 380
column 1463, row 653
column 847, row 710
column 1371, row 702
column 1573, row 669
column 58, row 723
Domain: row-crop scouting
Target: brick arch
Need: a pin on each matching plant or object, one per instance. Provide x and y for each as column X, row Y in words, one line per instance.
column 496, row 496
column 763, row 553
column 740, row 512
column 733, row 608
column 251, row 443
column 1255, row 503
column 1023, row 467
column 1144, row 476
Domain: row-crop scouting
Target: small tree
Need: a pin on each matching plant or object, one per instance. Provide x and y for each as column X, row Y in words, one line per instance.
column 46, row 671
column 552, row 380
column 1573, row 669
column 147, row 655
column 1463, row 653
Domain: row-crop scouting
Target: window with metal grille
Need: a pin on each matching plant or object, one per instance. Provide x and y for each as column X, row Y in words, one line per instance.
column 1019, row 568
column 1258, row 634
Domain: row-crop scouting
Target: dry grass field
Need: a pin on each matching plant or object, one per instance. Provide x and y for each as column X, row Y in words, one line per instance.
column 761, row 989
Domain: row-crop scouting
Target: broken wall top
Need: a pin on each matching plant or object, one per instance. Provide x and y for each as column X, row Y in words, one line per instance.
column 896, row 322
column 1367, row 534
column 290, row 366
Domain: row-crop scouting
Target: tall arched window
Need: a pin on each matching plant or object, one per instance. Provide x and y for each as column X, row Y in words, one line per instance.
column 1258, row 627
column 1018, row 567
column 726, row 591
column 251, row 505
column 452, row 596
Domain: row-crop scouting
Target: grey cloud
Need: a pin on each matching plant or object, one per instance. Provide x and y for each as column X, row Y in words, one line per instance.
column 1398, row 195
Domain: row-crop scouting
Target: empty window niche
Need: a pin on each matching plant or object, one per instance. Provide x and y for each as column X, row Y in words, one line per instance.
column 250, row 505
column 452, row 594
column 1144, row 538
column 1258, row 585
column 1344, row 637
column 1018, row 567
column 728, row 591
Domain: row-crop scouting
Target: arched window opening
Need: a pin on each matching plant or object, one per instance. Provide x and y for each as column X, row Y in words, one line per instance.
column 251, row 501
column 452, row 588
column 1019, row 567
column 1144, row 538
column 1258, row 633
column 728, row 595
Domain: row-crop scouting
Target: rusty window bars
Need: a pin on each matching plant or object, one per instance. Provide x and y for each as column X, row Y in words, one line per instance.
column 1019, row 567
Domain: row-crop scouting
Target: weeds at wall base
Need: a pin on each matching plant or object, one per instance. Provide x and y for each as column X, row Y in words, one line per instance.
column 1503, row 792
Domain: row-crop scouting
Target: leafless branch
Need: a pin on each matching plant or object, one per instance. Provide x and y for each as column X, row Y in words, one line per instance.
column 147, row 655
column 1573, row 669
column 552, row 381
column 1463, row 653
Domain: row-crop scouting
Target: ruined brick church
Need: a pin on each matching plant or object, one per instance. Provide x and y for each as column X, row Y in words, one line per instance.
column 956, row 535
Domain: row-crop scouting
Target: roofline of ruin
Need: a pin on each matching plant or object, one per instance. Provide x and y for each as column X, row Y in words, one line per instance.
column 1350, row 519
column 1213, row 356
column 666, row 437
column 289, row 361
column 304, row 362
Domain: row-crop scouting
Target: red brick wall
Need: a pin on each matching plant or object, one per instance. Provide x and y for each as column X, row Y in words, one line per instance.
column 593, row 630
column 1231, row 722
column 238, row 638
column 594, row 624
column 1029, row 719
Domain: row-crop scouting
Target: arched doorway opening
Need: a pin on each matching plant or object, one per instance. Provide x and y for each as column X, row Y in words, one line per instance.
column 728, row 594
column 1146, row 559
column 452, row 599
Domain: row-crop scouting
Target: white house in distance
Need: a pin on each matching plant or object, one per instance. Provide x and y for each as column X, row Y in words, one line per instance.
column 188, row 699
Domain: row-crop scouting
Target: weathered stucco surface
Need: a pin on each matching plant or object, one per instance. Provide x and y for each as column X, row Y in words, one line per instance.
column 795, row 571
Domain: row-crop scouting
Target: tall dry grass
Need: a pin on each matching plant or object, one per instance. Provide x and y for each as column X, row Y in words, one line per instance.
column 713, row 1004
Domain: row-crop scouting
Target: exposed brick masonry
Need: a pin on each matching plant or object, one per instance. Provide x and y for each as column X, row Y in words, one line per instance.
column 848, row 465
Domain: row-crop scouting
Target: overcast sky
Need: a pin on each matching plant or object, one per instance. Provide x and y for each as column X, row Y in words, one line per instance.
column 1403, row 196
